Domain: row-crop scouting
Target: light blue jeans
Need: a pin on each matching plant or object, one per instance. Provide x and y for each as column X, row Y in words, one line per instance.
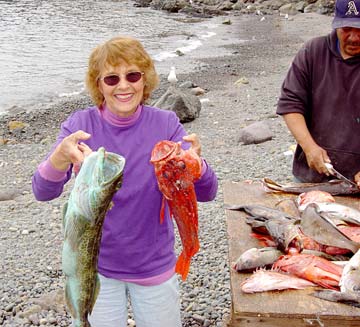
column 153, row 306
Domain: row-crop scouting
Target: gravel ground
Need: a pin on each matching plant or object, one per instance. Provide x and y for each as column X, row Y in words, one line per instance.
column 30, row 231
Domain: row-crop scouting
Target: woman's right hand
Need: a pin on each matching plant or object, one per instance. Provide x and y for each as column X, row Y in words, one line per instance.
column 69, row 151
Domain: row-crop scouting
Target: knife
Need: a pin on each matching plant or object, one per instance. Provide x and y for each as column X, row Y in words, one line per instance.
column 337, row 174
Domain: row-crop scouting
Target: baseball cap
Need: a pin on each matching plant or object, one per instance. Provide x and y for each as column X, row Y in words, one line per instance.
column 347, row 14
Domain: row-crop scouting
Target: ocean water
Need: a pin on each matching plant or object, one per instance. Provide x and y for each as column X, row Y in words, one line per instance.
column 44, row 45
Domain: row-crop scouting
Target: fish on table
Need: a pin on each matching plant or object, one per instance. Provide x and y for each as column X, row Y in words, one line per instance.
column 319, row 227
column 349, row 284
column 176, row 171
column 311, row 267
column 99, row 178
column 334, row 187
column 269, row 280
column 338, row 212
column 254, row 258
column 313, row 196
column 256, row 210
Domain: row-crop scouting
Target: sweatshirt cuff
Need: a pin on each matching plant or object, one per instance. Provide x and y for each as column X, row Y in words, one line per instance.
column 204, row 167
column 48, row 172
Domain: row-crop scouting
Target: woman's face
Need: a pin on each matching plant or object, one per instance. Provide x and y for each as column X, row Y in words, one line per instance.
column 123, row 98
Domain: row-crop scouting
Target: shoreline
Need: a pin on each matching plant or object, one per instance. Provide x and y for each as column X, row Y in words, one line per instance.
column 31, row 231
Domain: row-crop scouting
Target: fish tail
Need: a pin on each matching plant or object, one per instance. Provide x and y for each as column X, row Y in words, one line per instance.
column 183, row 266
column 183, row 263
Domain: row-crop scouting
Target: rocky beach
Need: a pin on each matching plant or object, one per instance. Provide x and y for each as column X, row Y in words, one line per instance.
column 258, row 51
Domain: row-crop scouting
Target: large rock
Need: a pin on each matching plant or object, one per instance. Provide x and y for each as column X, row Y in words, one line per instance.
column 255, row 133
column 186, row 105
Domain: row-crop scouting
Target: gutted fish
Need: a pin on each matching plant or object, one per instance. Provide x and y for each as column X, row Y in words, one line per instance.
column 284, row 233
column 316, row 269
column 83, row 216
column 320, row 228
column 270, row 280
column 257, row 258
column 176, row 171
column 313, row 196
column 289, row 206
column 334, row 187
column 337, row 211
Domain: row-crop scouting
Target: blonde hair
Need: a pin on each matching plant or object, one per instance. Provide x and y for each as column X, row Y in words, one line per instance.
column 112, row 52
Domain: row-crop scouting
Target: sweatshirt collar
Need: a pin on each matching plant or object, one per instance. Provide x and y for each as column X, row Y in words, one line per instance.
column 116, row 120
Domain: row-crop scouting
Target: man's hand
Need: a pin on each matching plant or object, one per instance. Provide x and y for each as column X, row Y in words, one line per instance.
column 316, row 158
column 70, row 151
column 357, row 179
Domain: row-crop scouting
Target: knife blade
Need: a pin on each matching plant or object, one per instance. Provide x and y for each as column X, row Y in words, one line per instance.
column 337, row 174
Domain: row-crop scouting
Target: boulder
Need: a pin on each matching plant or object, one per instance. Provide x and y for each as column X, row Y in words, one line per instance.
column 186, row 105
column 255, row 133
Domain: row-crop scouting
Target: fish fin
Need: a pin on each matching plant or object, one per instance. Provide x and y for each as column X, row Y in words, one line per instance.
column 64, row 214
column 183, row 266
column 73, row 230
column 272, row 185
column 162, row 210
column 328, row 266
column 96, row 293
column 69, row 302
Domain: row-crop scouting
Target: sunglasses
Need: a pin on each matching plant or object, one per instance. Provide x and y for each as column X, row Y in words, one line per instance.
column 114, row 79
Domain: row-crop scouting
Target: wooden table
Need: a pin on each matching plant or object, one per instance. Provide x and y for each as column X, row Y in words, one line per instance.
column 289, row 308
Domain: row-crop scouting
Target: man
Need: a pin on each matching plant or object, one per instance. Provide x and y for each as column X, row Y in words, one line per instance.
column 320, row 100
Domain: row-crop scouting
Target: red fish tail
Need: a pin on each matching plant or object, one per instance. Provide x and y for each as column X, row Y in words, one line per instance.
column 183, row 266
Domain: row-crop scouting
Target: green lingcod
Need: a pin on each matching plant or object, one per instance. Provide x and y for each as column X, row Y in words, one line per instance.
column 99, row 178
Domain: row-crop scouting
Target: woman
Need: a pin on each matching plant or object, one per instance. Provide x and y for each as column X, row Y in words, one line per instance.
column 137, row 252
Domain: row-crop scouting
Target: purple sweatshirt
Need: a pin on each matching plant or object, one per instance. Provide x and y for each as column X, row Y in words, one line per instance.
column 134, row 244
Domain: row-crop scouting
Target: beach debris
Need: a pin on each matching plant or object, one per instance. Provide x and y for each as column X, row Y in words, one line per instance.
column 16, row 125
column 241, row 80
column 179, row 53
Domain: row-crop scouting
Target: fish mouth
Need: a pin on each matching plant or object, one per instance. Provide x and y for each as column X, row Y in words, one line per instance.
column 111, row 167
column 162, row 150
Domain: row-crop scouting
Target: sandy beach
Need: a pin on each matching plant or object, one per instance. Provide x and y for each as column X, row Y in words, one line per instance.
column 31, row 235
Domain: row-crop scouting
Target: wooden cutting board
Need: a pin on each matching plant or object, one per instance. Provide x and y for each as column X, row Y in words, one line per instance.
column 289, row 308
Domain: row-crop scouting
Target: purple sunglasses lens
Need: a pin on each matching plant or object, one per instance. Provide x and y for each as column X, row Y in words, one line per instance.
column 131, row 77
column 111, row 80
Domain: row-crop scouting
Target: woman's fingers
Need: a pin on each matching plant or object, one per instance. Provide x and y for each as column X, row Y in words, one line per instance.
column 195, row 143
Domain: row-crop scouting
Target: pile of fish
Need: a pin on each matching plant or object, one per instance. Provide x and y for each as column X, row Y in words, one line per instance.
column 307, row 241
